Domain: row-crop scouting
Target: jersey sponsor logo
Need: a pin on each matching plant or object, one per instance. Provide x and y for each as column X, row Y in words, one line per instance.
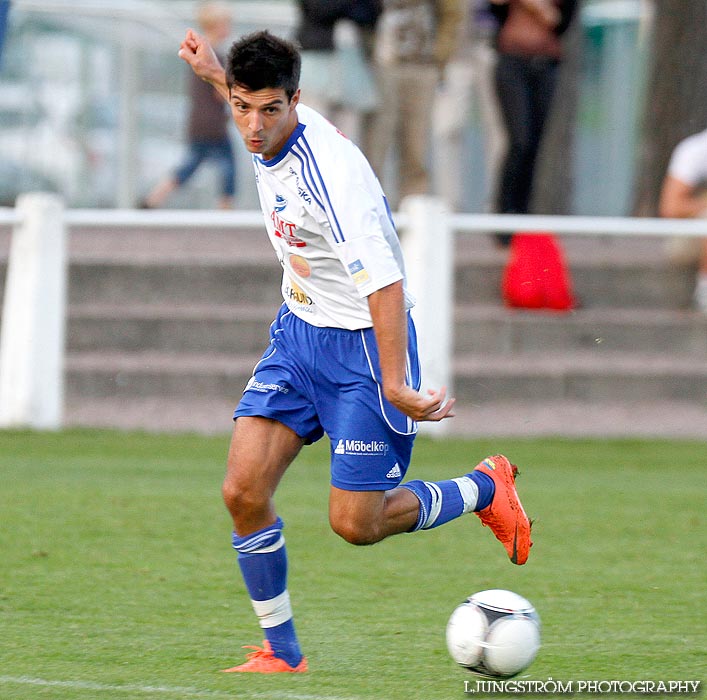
column 296, row 294
column 300, row 266
column 373, row 448
column 280, row 203
column 358, row 272
column 286, row 230
column 264, row 387
column 303, row 193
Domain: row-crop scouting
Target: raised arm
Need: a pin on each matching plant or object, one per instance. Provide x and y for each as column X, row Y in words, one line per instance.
column 198, row 53
column 390, row 327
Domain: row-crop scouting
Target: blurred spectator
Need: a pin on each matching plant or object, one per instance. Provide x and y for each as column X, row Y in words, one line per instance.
column 209, row 118
column 336, row 39
column 415, row 40
column 529, row 55
column 468, row 83
column 4, row 12
column 684, row 196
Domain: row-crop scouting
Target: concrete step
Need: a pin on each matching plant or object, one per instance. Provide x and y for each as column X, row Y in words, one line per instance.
column 490, row 328
column 606, row 271
column 242, row 328
column 154, row 374
column 174, row 282
column 653, row 282
column 580, row 376
column 587, row 376
column 158, row 244
column 658, row 285
column 191, row 328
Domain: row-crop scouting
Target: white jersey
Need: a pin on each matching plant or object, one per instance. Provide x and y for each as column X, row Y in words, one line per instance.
column 688, row 162
column 329, row 222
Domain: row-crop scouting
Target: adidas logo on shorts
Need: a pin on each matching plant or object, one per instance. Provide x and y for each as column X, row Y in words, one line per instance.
column 394, row 473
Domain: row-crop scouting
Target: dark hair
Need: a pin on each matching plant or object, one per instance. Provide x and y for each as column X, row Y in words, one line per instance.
column 263, row 60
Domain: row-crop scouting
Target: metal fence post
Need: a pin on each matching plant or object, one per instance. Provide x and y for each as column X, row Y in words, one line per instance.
column 33, row 318
column 427, row 241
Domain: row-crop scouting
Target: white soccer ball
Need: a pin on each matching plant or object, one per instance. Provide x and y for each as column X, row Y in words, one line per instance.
column 494, row 633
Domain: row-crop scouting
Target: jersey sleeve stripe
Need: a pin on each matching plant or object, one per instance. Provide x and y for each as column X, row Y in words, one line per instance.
column 317, row 176
column 306, row 176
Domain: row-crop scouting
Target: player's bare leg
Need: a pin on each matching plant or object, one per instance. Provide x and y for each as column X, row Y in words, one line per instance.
column 157, row 197
column 366, row 517
column 260, row 452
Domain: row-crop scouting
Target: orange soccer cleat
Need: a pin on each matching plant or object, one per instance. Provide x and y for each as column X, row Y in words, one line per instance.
column 263, row 660
column 505, row 515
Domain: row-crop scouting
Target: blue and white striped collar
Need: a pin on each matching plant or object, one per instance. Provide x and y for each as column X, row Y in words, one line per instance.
column 296, row 133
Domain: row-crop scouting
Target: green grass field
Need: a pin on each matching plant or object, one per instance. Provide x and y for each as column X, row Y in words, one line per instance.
column 117, row 579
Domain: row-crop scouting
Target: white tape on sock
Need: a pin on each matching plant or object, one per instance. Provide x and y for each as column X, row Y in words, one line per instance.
column 273, row 612
column 469, row 492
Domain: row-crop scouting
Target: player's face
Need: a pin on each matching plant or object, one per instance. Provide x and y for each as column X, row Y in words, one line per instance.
column 265, row 118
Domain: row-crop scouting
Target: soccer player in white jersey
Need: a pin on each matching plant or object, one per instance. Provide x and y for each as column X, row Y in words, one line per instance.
column 684, row 196
column 342, row 358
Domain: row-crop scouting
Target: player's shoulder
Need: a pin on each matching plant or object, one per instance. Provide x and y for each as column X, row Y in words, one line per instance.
column 689, row 159
column 319, row 131
column 694, row 143
column 334, row 158
column 311, row 118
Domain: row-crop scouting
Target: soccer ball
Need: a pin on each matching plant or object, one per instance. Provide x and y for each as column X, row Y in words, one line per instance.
column 494, row 633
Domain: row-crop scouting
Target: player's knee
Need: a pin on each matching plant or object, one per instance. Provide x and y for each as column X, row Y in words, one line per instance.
column 242, row 499
column 231, row 496
column 355, row 533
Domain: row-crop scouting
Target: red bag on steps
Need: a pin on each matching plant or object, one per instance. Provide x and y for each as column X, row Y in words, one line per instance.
column 536, row 275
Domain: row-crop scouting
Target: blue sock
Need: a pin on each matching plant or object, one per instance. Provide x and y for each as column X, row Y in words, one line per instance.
column 262, row 558
column 442, row 501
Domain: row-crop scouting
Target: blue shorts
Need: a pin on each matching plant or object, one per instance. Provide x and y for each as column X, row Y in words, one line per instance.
column 327, row 380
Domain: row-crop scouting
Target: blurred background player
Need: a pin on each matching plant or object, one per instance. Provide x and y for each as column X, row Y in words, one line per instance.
column 469, row 85
column 207, row 129
column 529, row 54
column 336, row 39
column 684, row 196
column 415, row 40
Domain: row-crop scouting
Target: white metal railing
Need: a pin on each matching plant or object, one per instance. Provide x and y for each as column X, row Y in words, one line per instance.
column 580, row 225
column 460, row 223
column 33, row 319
